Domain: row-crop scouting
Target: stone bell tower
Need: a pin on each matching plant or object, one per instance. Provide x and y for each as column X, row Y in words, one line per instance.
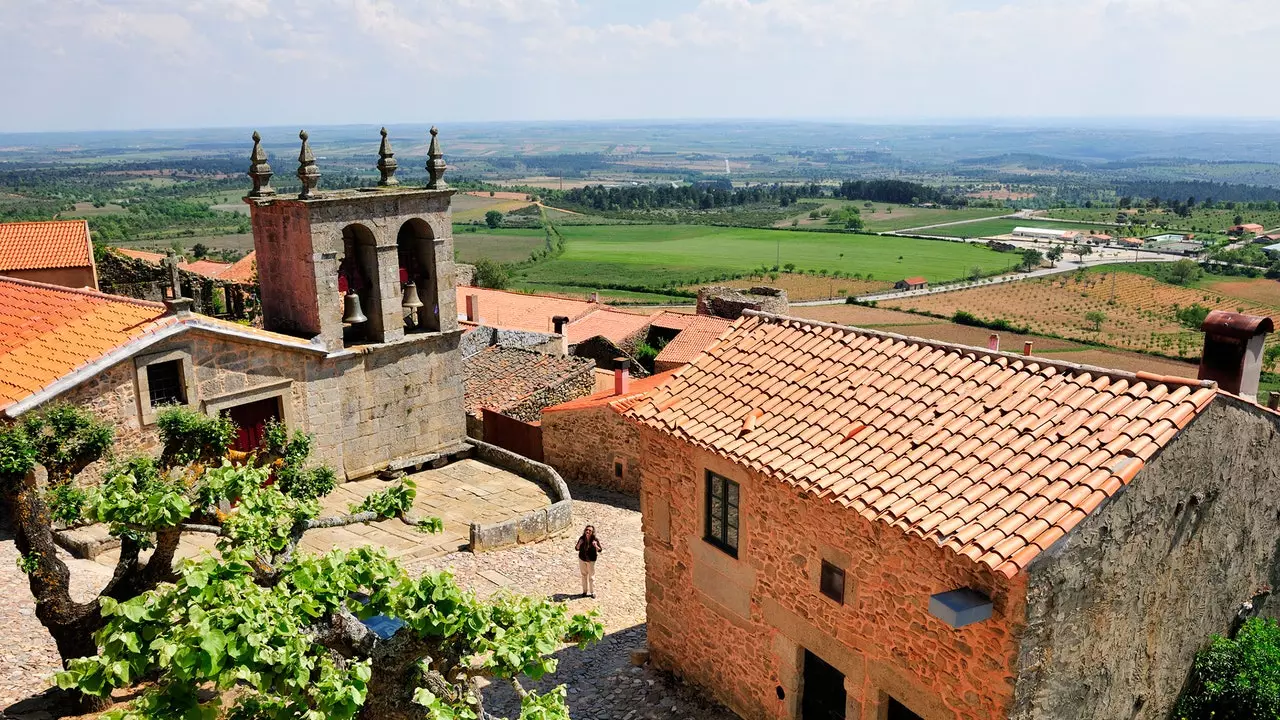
column 354, row 267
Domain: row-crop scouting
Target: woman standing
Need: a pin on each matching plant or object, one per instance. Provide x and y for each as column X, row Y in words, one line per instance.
column 588, row 548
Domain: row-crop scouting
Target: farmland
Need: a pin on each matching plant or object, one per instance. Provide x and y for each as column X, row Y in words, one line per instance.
column 882, row 217
column 659, row 256
column 801, row 287
column 917, row 326
column 1137, row 312
column 504, row 245
column 990, row 228
column 1203, row 220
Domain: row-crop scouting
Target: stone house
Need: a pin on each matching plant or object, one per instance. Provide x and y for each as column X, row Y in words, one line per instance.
column 57, row 252
column 359, row 345
column 841, row 523
column 519, row 383
column 589, row 442
column 911, row 283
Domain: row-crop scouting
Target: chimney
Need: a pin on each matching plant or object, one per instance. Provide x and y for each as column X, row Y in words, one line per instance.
column 1233, row 351
column 1273, row 400
column 595, row 297
column 1026, row 348
column 993, row 342
column 621, row 376
column 559, row 322
column 473, row 308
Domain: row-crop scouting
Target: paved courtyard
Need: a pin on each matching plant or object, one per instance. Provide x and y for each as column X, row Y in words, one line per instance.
column 459, row 493
column 602, row 684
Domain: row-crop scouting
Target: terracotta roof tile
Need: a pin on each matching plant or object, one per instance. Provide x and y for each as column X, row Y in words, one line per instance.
column 525, row 311
column 990, row 454
column 45, row 245
column 47, row 331
column 244, row 270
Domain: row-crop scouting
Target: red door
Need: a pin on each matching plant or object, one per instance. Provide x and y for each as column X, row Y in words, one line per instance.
column 251, row 422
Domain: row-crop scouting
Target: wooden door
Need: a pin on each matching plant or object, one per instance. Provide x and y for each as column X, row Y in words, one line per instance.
column 251, row 422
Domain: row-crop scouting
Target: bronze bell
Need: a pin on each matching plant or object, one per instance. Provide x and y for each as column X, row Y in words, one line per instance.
column 411, row 301
column 352, row 314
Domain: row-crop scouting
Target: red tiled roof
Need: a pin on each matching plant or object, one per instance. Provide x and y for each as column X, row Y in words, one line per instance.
column 672, row 320
column 525, row 311
column 45, row 245
column 701, row 331
column 47, row 331
column 917, row 280
column 992, row 455
column 498, row 377
column 638, row 389
column 207, row 268
column 615, row 325
column 244, row 270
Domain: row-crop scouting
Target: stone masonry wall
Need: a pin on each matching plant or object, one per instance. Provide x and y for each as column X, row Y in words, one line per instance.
column 1117, row 609
column 366, row 410
column 571, row 387
column 740, row 626
column 584, row 444
column 727, row 302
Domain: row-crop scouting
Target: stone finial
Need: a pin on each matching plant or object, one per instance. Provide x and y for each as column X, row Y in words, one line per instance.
column 308, row 173
column 386, row 162
column 260, row 170
column 435, row 163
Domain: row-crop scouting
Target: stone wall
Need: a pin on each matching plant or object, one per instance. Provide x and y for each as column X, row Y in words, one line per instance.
column 580, row 383
column 464, row 275
column 586, row 444
column 604, row 351
column 727, row 302
column 534, row 525
column 478, row 338
column 132, row 277
column 1117, row 610
column 366, row 410
column 740, row 626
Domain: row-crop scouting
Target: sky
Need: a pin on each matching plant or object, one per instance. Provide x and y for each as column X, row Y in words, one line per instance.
column 133, row 64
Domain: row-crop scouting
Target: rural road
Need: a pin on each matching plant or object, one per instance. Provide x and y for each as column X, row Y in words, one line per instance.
column 1063, row 266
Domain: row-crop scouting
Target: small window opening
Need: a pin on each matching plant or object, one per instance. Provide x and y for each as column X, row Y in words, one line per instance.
column 164, row 384
column 831, row 582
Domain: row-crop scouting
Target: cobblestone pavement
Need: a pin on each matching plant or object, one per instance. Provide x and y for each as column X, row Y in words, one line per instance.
column 602, row 685
column 28, row 657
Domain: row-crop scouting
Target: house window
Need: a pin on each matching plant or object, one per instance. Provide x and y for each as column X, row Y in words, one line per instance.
column 831, row 582
column 617, row 470
column 164, row 384
column 722, row 513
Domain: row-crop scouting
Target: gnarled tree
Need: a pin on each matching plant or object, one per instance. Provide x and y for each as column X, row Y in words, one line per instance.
column 150, row 504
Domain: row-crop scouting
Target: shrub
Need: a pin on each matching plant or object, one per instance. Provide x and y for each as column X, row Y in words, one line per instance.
column 492, row 274
column 1236, row 677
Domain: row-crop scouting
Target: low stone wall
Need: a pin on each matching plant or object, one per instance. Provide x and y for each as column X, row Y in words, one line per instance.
column 534, row 525
column 727, row 302
column 464, row 275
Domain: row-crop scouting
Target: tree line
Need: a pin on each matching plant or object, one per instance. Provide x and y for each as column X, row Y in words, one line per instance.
column 720, row 194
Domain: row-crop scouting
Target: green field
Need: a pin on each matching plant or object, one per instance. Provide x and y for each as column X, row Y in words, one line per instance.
column 504, row 245
column 656, row 256
column 616, row 297
column 988, row 228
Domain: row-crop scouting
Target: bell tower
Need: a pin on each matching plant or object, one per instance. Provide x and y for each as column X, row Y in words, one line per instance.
column 354, row 267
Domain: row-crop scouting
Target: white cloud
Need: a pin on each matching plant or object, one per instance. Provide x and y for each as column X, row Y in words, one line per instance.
column 127, row 63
